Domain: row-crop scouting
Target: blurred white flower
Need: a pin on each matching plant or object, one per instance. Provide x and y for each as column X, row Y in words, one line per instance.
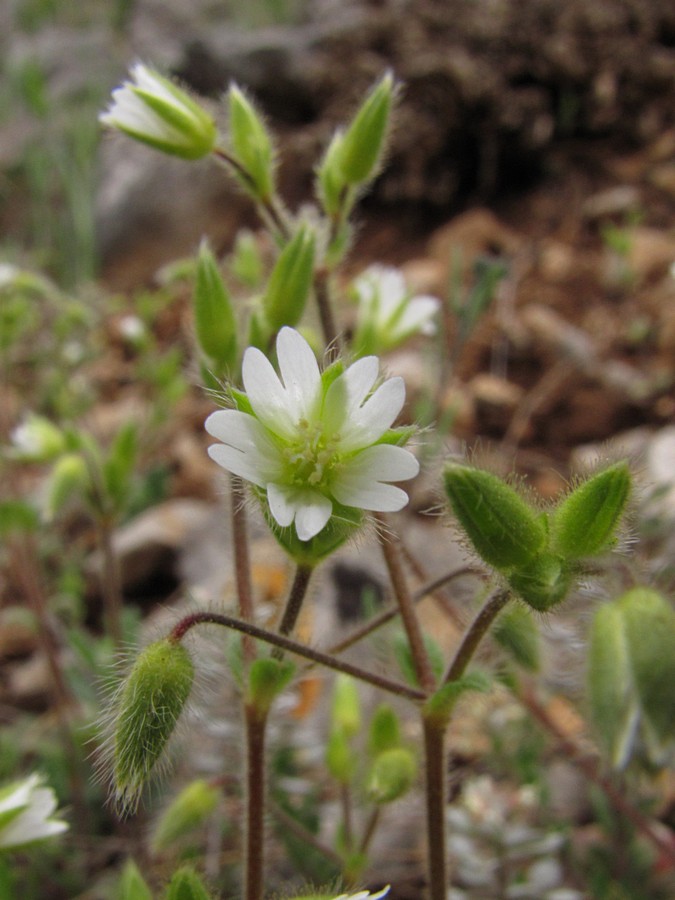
column 151, row 109
column 388, row 314
column 311, row 439
column 26, row 813
column 37, row 439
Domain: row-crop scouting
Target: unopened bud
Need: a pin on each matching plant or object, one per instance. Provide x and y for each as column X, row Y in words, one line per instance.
column 147, row 708
column 586, row 522
column 291, row 280
column 215, row 322
column 504, row 530
column 251, row 143
column 69, row 480
column 331, row 182
column 364, row 141
column 392, row 775
column 193, row 805
column 542, row 582
column 385, row 731
column 186, row 884
column 340, row 757
column 516, row 632
column 266, row 679
column 346, row 712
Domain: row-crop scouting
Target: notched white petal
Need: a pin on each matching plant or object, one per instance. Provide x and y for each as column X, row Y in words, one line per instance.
column 300, row 372
column 312, row 514
column 266, row 393
column 348, row 391
column 281, row 507
column 377, row 415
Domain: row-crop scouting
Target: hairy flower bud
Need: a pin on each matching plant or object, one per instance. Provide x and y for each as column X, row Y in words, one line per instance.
column 251, row 143
column 504, row 530
column 542, row 582
column 363, row 143
column 346, row 711
column 392, row 774
column 215, row 322
column 291, row 281
column 147, row 708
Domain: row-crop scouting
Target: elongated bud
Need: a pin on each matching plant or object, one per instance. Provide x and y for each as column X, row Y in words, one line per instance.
column 385, row 731
column 613, row 702
column 118, row 467
column 69, row 480
column 132, row 885
column 266, row 679
column 346, row 711
column 251, row 143
column 504, row 530
column 516, row 632
column 542, row 582
column 151, row 109
column 330, row 181
column 364, row 141
column 340, row 757
column 147, row 709
column 586, row 522
column 392, row 774
column 215, row 321
column 650, row 630
column 190, row 809
column 291, row 280
column 246, row 262
column 186, row 884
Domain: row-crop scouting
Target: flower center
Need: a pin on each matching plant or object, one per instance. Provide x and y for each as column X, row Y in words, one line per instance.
column 311, row 456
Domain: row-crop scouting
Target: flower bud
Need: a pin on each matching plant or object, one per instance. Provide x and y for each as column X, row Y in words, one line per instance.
column 69, row 479
column 193, row 805
column 154, row 111
column 613, row 703
column 132, row 885
column 252, row 144
column 650, row 630
column 392, row 775
column 384, row 730
column 331, row 183
column 147, row 708
column 186, row 884
column 543, row 582
column 363, row 143
column 585, row 523
column 266, row 679
column 291, row 280
column 37, row 440
column 215, row 322
column 346, row 711
column 340, row 757
column 504, row 530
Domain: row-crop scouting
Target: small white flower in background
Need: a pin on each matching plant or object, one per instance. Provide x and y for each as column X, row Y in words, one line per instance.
column 26, row 813
column 36, row 439
column 151, row 109
column 388, row 314
column 312, row 439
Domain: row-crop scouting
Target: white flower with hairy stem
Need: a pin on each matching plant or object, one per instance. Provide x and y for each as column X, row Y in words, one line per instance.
column 26, row 810
column 388, row 313
column 151, row 109
column 312, row 439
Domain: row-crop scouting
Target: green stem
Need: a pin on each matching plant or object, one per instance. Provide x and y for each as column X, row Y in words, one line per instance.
column 475, row 633
column 267, row 207
column 421, row 661
column 435, row 789
column 254, row 866
column 315, row 656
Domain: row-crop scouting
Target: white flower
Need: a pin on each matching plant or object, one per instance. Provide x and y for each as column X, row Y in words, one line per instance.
column 312, row 439
column 388, row 314
column 156, row 112
column 26, row 809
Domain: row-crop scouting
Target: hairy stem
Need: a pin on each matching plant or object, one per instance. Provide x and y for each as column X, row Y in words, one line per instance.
column 435, row 790
column 315, row 656
column 296, row 597
column 267, row 206
column 421, row 661
column 254, row 865
column 242, row 562
column 475, row 633
column 331, row 335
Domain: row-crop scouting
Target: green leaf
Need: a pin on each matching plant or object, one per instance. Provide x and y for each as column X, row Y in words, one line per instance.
column 132, row 885
column 439, row 706
column 215, row 321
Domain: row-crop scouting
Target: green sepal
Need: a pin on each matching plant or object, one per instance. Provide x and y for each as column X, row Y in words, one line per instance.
column 340, row 757
column 614, row 707
column 266, row 680
column 195, row 129
column 543, row 582
column 187, row 811
column 241, row 401
column 186, row 884
column 252, row 144
column 505, row 531
column 517, row 633
column 132, row 885
column 290, row 282
column 330, row 182
column 650, row 630
column 585, row 523
column 215, row 321
column 439, row 706
column 361, row 148
column 399, row 437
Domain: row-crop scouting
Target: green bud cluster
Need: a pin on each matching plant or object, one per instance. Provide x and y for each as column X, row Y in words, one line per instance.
column 631, row 675
column 147, row 708
column 539, row 554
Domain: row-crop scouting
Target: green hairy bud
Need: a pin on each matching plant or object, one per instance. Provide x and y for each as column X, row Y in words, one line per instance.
column 69, row 480
column 392, row 775
column 346, row 712
column 385, row 731
column 186, row 884
column 266, row 679
column 585, row 523
column 613, row 703
column 193, row 805
column 516, row 632
column 132, row 885
column 291, row 280
column 147, row 708
column 251, row 143
column 363, row 143
column 340, row 757
column 215, row 322
column 504, row 530
column 331, row 183
column 650, row 631
column 543, row 582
